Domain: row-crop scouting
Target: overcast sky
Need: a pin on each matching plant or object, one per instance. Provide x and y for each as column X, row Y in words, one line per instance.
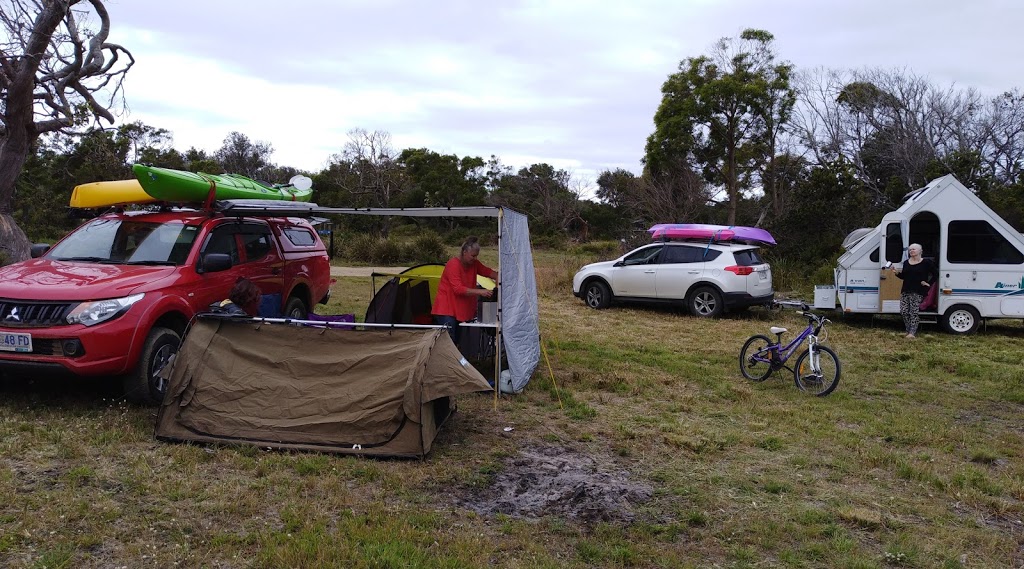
column 571, row 83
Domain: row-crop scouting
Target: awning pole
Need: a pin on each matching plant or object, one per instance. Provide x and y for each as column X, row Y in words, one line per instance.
column 497, row 330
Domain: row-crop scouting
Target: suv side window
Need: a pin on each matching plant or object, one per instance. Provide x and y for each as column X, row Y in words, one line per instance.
column 222, row 240
column 256, row 241
column 643, row 256
column 683, row 254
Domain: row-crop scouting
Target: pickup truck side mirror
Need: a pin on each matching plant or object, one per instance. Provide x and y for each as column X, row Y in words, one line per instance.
column 39, row 249
column 214, row 262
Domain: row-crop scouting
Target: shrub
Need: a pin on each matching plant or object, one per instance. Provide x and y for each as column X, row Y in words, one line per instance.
column 488, row 238
column 548, row 241
column 427, row 248
column 359, row 247
column 405, row 231
column 788, row 277
column 555, row 278
column 386, row 252
column 825, row 273
column 599, row 249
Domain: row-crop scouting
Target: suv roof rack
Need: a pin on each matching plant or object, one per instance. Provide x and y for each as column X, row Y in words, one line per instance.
column 268, row 208
column 706, row 241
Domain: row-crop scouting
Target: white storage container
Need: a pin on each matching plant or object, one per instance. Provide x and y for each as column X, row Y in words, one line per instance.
column 489, row 312
column 825, row 296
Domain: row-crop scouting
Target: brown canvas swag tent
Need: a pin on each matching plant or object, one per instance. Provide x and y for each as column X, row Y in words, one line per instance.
column 372, row 392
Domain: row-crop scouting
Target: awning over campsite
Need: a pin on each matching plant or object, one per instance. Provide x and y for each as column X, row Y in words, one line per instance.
column 518, row 312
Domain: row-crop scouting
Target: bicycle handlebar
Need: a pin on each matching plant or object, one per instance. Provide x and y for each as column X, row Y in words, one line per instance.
column 804, row 311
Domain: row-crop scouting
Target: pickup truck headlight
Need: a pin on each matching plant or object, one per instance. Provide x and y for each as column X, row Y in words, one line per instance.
column 96, row 311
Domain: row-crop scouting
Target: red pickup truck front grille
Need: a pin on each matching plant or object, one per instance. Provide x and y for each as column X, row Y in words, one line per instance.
column 29, row 314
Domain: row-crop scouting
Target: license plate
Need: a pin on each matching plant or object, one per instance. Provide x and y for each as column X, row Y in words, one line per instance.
column 15, row 342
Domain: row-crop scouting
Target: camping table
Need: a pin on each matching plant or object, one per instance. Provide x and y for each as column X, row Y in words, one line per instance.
column 488, row 330
column 485, row 348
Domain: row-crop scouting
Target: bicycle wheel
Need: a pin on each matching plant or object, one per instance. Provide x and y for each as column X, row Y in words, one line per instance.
column 755, row 358
column 822, row 382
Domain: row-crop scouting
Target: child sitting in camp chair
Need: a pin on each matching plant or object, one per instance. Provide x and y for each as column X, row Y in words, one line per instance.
column 243, row 300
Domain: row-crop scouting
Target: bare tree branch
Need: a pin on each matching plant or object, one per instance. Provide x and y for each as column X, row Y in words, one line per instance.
column 58, row 73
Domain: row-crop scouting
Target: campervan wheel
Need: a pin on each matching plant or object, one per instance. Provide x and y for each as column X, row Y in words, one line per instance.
column 961, row 319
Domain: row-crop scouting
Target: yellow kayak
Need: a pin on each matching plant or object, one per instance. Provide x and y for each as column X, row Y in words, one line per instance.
column 105, row 194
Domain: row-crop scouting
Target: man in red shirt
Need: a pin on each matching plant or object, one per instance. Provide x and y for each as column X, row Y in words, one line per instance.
column 457, row 292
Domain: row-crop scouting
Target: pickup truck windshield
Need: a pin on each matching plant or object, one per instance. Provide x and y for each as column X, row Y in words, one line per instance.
column 128, row 242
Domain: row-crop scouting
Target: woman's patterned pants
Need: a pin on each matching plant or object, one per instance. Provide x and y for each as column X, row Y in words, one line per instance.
column 910, row 303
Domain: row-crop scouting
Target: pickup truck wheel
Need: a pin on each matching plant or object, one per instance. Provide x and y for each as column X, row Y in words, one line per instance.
column 295, row 309
column 144, row 385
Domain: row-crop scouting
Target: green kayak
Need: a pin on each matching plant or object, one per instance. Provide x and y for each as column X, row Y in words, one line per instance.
column 180, row 186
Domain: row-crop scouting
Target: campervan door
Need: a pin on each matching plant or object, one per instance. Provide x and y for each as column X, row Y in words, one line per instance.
column 892, row 249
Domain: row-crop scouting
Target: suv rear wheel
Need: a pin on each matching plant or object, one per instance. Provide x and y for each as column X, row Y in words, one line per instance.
column 705, row 302
column 144, row 384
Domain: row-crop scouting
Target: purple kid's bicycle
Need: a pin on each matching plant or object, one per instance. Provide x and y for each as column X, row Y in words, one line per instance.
column 817, row 369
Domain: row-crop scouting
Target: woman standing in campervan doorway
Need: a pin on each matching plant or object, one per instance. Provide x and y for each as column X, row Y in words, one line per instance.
column 918, row 274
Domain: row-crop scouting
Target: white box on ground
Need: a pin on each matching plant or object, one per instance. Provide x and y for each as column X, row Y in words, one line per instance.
column 825, row 296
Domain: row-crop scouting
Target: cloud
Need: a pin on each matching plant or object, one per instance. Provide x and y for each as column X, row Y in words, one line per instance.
column 570, row 82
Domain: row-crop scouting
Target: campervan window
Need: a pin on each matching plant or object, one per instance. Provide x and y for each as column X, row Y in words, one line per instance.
column 893, row 243
column 976, row 241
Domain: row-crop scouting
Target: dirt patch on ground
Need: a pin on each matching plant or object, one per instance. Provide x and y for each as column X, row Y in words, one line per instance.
column 555, row 481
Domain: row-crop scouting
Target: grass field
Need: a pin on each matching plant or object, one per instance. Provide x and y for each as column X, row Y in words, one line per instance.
column 914, row 461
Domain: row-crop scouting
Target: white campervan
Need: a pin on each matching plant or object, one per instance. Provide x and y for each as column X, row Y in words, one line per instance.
column 980, row 259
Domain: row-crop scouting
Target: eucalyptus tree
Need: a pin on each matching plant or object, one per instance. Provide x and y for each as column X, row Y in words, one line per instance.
column 58, row 73
column 723, row 113
column 60, row 162
column 442, row 180
column 898, row 129
column 366, row 173
column 646, row 199
column 240, row 155
column 151, row 145
column 547, row 195
column 376, row 178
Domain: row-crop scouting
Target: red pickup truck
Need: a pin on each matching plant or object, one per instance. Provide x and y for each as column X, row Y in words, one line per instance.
column 114, row 297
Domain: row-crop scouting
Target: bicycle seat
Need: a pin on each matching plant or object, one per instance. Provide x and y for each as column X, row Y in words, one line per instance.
column 776, row 330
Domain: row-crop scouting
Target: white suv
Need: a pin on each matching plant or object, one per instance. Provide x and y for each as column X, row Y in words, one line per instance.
column 708, row 278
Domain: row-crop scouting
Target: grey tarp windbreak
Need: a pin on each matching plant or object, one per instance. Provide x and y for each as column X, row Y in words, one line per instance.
column 374, row 392
column 519, row 317
column 520, row 320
